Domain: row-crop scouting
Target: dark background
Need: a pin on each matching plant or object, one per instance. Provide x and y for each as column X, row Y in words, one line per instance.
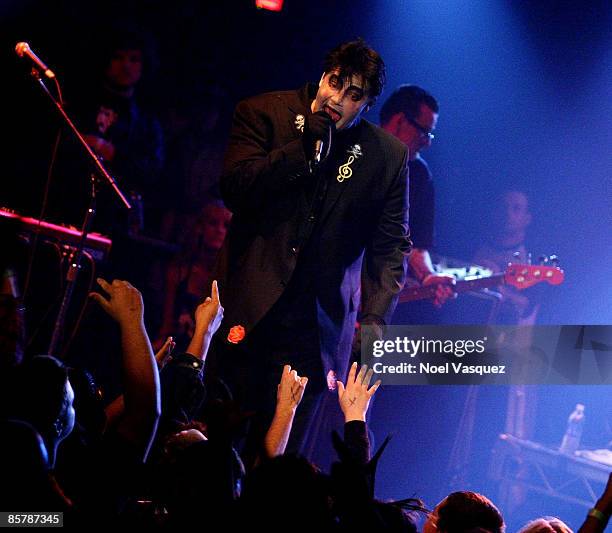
column 525, row 92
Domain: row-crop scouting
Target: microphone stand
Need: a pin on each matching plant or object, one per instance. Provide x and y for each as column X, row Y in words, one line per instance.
column 77, row 256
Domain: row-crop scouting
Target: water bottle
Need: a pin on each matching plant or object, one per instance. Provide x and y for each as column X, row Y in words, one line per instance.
column 575, row 425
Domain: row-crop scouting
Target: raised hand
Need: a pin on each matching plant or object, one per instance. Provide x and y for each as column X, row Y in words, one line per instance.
column 289, row 394
column 354, row 398
column 209, row 313
column 208, row 317
column 290, row 389
column 124, row 303
column 163, row 354
column 140, row 411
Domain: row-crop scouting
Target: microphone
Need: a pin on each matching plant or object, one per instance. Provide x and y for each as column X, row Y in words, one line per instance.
column 23, row 49
column 319, row 145
column 318, row 151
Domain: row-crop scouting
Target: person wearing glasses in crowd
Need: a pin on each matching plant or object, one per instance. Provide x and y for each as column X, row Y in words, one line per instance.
column 411, row 115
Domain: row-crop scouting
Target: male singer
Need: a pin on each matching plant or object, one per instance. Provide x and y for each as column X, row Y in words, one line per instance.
column 320, row 230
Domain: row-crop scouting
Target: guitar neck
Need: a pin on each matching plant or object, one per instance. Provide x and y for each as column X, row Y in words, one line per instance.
column 465, row 285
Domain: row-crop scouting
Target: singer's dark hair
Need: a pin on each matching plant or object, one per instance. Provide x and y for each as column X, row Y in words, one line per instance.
column 357, row 58
column 407, row 99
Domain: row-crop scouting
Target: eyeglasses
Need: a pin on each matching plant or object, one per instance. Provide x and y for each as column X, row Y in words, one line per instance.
column 421, row 129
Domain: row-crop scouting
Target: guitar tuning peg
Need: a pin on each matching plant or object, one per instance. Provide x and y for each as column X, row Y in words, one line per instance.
column 529, row 258
column 554, row 259
column 543, row 260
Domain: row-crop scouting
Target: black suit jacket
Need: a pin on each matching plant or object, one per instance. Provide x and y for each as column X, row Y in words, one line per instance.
column 362, row 229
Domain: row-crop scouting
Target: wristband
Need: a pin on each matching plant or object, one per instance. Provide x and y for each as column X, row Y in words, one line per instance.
column 602, row 517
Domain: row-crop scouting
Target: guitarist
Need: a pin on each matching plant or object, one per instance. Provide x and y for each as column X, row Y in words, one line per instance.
column 509, row 221
column 411, row 114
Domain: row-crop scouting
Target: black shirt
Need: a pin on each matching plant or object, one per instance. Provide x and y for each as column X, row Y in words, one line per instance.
column 422, row 206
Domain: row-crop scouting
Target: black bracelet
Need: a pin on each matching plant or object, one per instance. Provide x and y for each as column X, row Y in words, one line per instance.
column 602, row 517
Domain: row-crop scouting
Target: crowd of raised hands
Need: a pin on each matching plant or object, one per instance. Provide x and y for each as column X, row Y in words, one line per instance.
column 156, row 456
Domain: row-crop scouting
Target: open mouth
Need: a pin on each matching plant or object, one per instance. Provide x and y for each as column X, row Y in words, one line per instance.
column 335, row 116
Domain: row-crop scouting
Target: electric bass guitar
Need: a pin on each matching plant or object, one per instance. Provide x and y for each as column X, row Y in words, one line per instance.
column 516, row 275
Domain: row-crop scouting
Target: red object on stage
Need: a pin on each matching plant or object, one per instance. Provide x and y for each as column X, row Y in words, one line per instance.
column 236, row 334
column 270, row 5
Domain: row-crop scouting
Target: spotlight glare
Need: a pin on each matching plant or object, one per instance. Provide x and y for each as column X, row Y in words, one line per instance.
column 270, row 5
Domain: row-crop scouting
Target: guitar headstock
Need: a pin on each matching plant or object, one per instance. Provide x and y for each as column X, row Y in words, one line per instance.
column 525, row 276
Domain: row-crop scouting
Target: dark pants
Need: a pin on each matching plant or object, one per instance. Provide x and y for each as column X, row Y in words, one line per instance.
column 252, row 369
